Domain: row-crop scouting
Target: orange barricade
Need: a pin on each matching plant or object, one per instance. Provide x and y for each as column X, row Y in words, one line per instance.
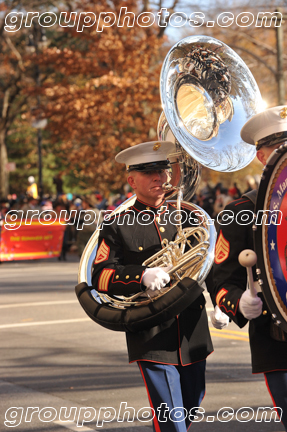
column 34, row 241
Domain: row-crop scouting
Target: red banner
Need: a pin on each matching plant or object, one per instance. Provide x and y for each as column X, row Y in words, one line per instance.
column 34, row 241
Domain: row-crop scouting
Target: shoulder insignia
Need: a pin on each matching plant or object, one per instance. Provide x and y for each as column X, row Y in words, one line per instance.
column 104, row 278
column 103, row 253
column 219, row 296
column 222, row 249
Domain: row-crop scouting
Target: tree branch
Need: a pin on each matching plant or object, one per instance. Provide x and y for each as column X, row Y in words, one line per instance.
column 259, row 59
column 259, row 44
column 5, row 106
column 15, row 51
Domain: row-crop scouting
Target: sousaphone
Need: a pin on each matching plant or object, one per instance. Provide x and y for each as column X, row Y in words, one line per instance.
column 207, row 94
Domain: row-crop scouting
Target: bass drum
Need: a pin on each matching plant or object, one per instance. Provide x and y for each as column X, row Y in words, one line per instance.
column 270, row 237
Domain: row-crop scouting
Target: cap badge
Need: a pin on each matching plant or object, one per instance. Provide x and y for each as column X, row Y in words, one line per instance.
column 283, row 113
column 156, row 146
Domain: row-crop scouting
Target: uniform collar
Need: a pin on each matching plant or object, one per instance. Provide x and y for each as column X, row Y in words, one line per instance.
column 141, row 206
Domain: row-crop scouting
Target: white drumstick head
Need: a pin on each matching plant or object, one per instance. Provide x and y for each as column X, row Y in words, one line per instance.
column 247, row 258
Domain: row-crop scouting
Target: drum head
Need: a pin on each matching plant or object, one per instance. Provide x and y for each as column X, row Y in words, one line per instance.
column 271, row 235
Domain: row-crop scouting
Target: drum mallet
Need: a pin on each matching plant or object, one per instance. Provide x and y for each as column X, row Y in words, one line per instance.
column 248, row 258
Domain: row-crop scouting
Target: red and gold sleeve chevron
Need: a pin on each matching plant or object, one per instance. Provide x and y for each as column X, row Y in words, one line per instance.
column 228, row 301
column 103, row 282
column 102, row 253
column 121, row 280
column 219, row 296
column 222, row 249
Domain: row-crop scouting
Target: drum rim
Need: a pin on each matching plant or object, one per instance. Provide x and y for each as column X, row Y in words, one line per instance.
column 260, row 249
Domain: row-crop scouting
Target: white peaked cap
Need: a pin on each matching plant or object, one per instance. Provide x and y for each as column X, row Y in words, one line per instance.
column 261, row 125
column 143, row 156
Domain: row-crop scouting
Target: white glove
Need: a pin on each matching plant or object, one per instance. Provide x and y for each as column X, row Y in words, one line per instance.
column 156, row 278
column 219, row 319
column 250, row 307
column 154, row 293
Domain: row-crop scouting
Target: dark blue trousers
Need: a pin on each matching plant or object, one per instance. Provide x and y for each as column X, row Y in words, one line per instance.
column 173, row 392
column 277, row 385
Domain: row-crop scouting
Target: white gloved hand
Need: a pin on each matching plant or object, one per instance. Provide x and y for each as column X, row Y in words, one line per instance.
column 154, row 293
column 156, row 278
column 250, row 307
column 219, row 319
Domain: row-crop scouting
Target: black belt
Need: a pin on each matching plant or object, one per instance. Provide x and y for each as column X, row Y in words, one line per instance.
column 277, row 333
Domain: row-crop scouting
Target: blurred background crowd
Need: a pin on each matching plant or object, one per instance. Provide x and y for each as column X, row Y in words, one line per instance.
column 211, row 198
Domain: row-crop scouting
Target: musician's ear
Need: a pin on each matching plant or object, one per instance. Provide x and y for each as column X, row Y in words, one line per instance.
column 261, row 156
column 131, row 180
column 265, row 151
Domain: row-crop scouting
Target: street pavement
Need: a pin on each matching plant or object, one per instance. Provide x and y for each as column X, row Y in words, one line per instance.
column 59, row 369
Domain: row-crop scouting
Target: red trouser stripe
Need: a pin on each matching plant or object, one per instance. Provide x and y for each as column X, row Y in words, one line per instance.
column 155, row 421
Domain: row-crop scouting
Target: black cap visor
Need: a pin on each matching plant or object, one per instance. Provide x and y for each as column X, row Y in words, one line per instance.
column 271, row 140
column 151, row 166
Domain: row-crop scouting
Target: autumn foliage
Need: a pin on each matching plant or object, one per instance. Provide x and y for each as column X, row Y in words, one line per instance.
column 100, row 90
column 102, row 96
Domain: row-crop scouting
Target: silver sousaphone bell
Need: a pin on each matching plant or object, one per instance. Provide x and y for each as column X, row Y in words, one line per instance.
column 207, row 94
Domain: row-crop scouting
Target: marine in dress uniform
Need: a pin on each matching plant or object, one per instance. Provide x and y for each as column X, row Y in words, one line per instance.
column 171, row 356
column 266, row 130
